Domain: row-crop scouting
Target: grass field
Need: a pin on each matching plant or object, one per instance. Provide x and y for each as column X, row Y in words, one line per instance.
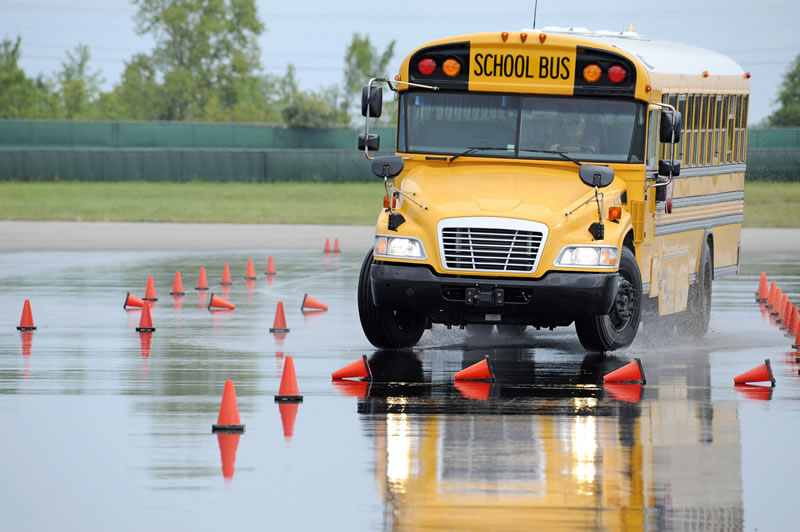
column 766, row 204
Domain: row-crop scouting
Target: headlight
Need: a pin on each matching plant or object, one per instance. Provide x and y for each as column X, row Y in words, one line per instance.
column 577, row 256
column 394, row 246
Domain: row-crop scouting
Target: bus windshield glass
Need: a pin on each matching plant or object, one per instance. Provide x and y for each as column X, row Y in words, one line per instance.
column 521, row 126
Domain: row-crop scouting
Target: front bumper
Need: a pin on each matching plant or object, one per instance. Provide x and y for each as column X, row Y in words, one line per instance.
column 555, row 299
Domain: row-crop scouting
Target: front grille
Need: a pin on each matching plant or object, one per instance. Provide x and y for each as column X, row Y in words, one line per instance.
column 490, row 249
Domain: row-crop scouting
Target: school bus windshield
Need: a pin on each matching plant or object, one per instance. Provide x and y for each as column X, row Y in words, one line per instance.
column 521, row 126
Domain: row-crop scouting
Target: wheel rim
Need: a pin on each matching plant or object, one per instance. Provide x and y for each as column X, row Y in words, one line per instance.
column 624, row 308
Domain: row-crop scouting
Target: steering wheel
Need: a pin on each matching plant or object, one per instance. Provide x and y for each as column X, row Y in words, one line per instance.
column 580, row 147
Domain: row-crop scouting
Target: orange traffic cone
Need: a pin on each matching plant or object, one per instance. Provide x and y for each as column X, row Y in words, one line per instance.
column 309, row 303
column 145, row 322
column 288, row 415
column 776, row 303
column 270, row 267
column 336, row 248
column 150, row 292
column 763, row 291
column 771, row 296
column 279, row 325
column 228, row 443
column 226, row 275
column 752, row 391
column 288, row 390
column 177, row 285
column 26, row 322
column 218, row 302
column 762, row 373
column 202, row 282
column 628, row 392
column 358, row 369
column 786, row 315
column 479, row 371
column 132, row 301
column 796, row 344
column 348, row 388
column 629, row 372
column 327, row 248
column 250, row 274
column 473, row 389
column 794, row 324
column 228, row 418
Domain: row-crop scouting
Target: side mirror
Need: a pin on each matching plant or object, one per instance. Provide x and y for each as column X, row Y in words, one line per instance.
column 372, row 142
column 372, row 102
column 671, row 124
column 595, row 175
column 667, row 168
column 388, row 166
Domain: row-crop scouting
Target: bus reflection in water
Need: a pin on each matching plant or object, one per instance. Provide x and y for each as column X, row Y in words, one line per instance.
column 563, row 456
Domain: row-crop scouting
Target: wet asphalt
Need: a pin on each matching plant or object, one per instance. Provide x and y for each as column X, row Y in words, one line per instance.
column 108, row 429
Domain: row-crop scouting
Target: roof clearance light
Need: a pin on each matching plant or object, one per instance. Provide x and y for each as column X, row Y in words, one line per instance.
column 747, row 75
column 617, row 74
column 451, row 67
column 426, row 66
column 592, row 73
column 523, row 37
column 504, row 36
column 705, row 73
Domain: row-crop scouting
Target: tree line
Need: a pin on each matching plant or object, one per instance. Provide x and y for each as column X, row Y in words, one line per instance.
column 205, row 67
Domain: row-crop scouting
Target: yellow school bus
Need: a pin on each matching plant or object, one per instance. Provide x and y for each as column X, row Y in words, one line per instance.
column 550, row 177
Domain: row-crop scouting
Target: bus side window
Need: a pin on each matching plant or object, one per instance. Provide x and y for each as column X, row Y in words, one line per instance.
column 731, row 121
column 743, row 131
column 682, row 108
column 717, row 126
column 652, row 140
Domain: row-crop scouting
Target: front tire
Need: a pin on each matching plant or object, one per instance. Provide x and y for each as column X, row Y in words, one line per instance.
column 385, row 328
column 618, row 328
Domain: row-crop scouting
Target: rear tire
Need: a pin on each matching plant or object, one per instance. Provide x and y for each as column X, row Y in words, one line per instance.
column 694, row 321
column 385, row 328
column 618, row 328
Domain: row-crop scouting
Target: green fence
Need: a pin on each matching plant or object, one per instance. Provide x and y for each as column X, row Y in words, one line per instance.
column 170, row 151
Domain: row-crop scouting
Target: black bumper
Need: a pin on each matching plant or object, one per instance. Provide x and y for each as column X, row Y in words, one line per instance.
column 555, row 299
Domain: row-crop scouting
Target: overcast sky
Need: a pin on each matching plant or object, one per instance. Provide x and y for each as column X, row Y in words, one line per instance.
column 313, row 34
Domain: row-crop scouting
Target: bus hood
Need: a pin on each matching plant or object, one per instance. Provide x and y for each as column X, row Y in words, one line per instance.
column 541, row 194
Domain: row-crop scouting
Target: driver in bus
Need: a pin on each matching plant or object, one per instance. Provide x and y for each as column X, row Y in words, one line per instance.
column 575, row 136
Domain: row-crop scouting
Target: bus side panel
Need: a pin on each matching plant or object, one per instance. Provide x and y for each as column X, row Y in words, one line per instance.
column 726, row 245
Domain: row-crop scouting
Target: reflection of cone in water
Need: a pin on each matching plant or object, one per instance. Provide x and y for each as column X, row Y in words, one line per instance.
column 352, row 388
column 624, row 391
column 630, row 372
column 288, row 416
column 226, row 275
column 177, row 285
column 228, row 443
column 479, row 371
column 144, row 343
column 26, row 321
column 771, row 295
column 327, row 248
column 474, row 389
column 145, row 322
column 309, row 303
column 288, row 390
column 228, row 418
column 219, row 303
column 150, row 291
column 250, row 274
column 132, row 301
column 279, row 325
column 762, row 373
column 753, row 391
column 358, row 369
column 27, row 342
column 336, row 248
column 763, row 291
column 270, row 267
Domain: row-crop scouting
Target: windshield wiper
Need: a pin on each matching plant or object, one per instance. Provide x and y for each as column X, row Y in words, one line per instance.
column 473, row 149
column 561, row 153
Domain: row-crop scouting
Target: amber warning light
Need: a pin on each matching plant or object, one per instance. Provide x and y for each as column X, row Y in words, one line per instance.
column 614, row 213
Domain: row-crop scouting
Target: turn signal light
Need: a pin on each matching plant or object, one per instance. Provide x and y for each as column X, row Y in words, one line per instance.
column 451, row 67
column 617, row 74
column 614, row 213
column 592, row 73
column 426, row 66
